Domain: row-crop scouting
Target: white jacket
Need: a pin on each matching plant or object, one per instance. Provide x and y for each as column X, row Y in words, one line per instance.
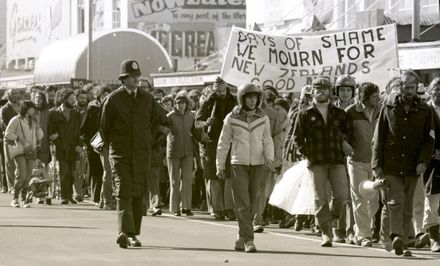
column 22, row 133
column 251, row 141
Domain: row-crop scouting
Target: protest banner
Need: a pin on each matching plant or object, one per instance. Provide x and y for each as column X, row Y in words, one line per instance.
column 287, row 63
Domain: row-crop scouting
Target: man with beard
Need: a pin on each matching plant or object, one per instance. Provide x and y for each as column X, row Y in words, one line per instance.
column 7, row 112
column 319, row 134
column 51, row 94
column 403, row 144
column 80, row 182
column 209, row 118
column 63, row 130
column 129, row 117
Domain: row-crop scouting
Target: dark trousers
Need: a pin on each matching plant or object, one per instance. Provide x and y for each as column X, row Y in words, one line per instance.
column 129, row 212
column 3, row 178
column 247, row 182
column 95, row 169
column 67, row 170
column 400, row 204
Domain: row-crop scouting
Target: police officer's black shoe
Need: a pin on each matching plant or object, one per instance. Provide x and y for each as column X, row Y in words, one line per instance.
column 134, row 242
column 122, row 240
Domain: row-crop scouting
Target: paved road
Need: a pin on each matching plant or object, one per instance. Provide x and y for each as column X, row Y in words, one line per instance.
column 82, row 235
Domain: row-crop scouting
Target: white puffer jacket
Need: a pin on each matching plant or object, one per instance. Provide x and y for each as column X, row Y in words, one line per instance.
column 251, row 141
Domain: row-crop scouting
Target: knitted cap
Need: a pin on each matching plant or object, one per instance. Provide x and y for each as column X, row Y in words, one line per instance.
column 283, row 103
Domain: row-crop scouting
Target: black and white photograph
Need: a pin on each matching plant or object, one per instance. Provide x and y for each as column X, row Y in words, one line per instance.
column 220, row 132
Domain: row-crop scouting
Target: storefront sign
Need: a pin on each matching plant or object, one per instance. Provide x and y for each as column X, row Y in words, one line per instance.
column 225, row 12
column 77, row 84
column 420, row 56
column 190, row 30
column 289, row 62
column 32, row 25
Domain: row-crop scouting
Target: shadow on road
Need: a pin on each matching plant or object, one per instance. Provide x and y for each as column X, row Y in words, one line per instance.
column 46, row 226
column 282, row 253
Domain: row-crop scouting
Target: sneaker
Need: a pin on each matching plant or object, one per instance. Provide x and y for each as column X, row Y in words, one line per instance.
column 258, row 229
column 366, row 242
column 15, row 204
column 177, row 214
column 26, row 205
column 249, row 247
column 49, row 201
column 239, row 244
column 326, row 241
column 398, row 245
column 422, row 241
column 349, row 239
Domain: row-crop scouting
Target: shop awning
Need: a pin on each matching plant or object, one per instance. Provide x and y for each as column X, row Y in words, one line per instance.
column 66, row 59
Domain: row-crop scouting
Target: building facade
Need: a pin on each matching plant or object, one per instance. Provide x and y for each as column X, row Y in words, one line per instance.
column 286, row 17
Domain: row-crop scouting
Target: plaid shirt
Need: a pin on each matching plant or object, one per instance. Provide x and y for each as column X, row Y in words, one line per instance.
column 319, row 142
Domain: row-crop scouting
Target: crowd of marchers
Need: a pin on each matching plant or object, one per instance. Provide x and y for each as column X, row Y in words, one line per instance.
column 222, row 149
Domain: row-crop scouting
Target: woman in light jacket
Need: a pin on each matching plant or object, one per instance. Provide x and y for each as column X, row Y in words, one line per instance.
column 180, row 155
column 246, row 133
column 25, row 131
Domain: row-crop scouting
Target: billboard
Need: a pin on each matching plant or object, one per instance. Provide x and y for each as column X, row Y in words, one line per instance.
column 33, row 25
column 190, row 30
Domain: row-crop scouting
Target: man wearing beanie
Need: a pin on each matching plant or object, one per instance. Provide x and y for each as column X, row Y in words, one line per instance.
column 362, row 119
column 319, row 134
column 209, row 119
column 128, row 118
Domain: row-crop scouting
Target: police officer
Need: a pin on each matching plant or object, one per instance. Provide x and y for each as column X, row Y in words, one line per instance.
column 129, row 115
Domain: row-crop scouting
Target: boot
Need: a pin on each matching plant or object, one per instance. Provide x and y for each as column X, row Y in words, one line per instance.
column 326, row 235
column 435, row 238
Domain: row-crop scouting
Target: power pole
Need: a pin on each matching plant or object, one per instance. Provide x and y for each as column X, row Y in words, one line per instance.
column 415, row 36
column 89, row 46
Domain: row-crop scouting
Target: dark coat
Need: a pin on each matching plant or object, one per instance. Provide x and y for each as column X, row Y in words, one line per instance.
column 89, row 127
column 208, row 151
column 90, row 123
column 403, row 139
column 7, row 112
column 433, row 171
column 44, row 150
column 68, row 133
column 127, row 127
